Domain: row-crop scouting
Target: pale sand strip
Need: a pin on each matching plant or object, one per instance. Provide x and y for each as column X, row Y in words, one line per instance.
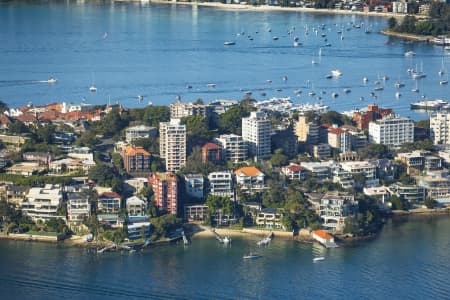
column 263, row 8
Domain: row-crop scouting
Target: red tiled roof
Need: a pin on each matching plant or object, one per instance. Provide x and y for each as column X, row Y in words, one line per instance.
column 323, row 234
column 4, row 119
column 336, row 130
column 132, row 151
column 26, row 118
column 210, row 146
column 248, row 171
column 295, row 168
column 110, row 195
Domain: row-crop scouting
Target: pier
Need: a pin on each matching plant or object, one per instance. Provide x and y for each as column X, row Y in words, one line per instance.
column 265, row 241
column 220, row 239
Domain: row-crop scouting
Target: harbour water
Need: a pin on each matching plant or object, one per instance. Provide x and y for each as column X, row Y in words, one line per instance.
column 409, row 260
column 131, row 49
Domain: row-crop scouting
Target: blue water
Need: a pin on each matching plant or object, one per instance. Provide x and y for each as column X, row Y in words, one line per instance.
column 409, row 260
column 130, row 49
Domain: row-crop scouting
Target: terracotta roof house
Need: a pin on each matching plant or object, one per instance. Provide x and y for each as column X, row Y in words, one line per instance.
column 211, row 152
column 250, row 178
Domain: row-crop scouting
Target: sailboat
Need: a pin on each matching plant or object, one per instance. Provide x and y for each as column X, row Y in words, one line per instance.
column 416, row 89
column 443, row 81
column 442, row 69
column 92, row 88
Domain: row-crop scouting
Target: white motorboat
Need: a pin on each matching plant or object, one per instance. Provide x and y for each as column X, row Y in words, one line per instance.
column 334, row 95
column 252, row 256
column 409, row 54
column 92, row 89
column 318, row 258
column 399, row 84
column 211, row 85
column 336, row 73
column 346, row 91
column 443, row 82
column 398, row 95
column 226, row 240
column 229, row 43
column 52, row 80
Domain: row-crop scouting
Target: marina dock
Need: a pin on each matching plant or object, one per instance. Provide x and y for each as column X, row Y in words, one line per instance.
column 265, row 241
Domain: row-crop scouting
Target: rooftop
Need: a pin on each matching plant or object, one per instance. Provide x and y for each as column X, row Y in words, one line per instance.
column 323, row 234
column 248, row 171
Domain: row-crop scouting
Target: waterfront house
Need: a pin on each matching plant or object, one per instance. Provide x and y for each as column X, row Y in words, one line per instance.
column 323, row 237
column 109, row 203
column 42, row 203
column 111, row 220
column 269, row 218
column 15, row 194
column 135, row 230
column 408, row 192
column 195, row 212
column 78, row 207
column 335, row 207
column 381, row 193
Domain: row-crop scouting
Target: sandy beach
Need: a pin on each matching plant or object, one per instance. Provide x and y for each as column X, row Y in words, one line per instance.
column 265, row 8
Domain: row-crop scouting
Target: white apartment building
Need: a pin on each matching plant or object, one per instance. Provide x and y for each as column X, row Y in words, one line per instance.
column 172, row 144
column 335, row 207
column 194, row 185
column 42, row 203
column 78, row 207
column 180, row 110
column 364, row 167
column 440, row 128
column 138, row 132
column 234, row 146
column 82, row 153
column 391, row 131
column 221, row 184
column 256, row 131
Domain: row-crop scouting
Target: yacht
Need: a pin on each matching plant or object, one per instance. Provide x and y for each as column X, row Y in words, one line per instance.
column 92, row 89
column 429, row 104
column 443, row 82
column 52, row 80
column 336, row 73
column 409, row 54
column 399, row 84
column 228, row 43
column 226, row 240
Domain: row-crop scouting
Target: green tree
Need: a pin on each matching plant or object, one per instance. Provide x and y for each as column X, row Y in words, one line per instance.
column 392, row 22
column 153, row 115
column 101, row 174
column 278, row 158
column 231, row 120
column 373, row 151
